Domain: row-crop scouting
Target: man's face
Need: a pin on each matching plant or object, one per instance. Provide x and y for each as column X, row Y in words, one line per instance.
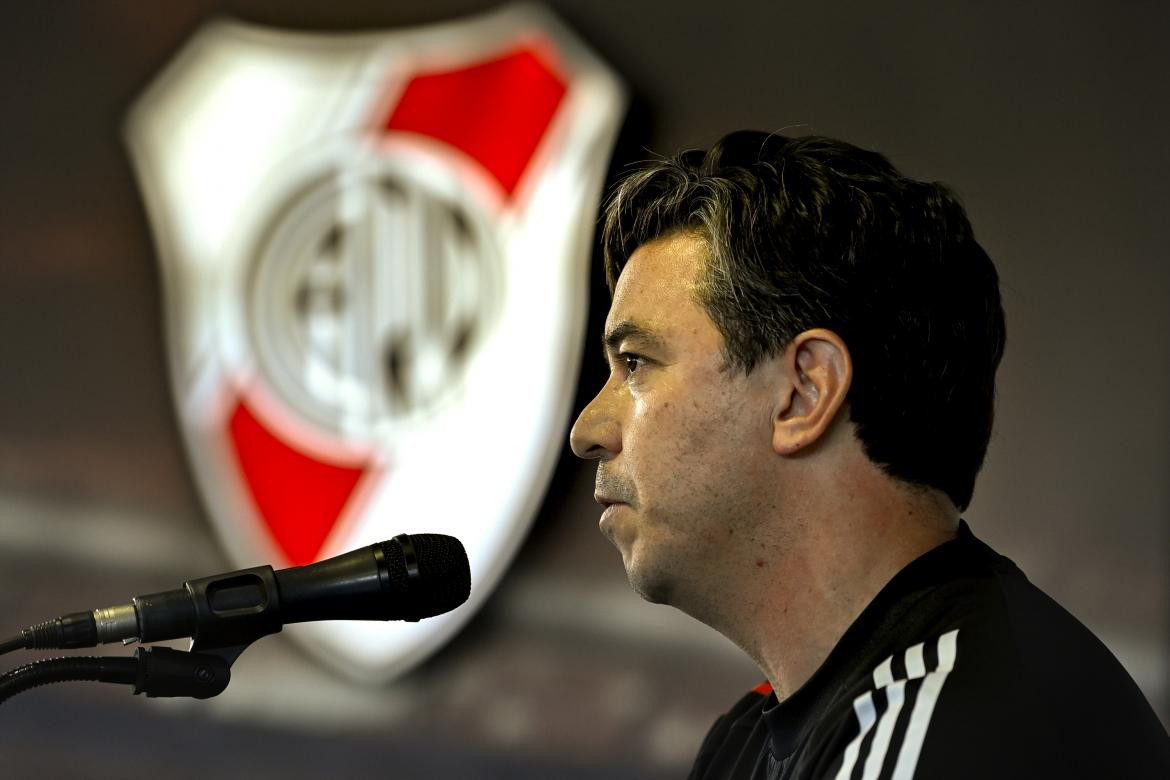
column 683, row 442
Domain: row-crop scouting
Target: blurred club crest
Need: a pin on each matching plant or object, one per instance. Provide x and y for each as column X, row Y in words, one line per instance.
column 374, row 252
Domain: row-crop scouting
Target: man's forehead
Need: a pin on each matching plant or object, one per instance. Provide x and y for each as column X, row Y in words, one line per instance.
column 676, row 257
column 654, row 299
column 644, row 310
column 659, row 274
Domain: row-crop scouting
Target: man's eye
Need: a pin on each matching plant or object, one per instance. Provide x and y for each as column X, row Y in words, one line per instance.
column 632, row 363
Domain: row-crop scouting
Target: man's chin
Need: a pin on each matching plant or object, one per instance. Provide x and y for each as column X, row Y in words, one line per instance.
column 650, row 583
column 651, row 586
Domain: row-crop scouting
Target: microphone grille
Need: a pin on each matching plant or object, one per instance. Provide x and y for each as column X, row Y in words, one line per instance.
column 444, row 575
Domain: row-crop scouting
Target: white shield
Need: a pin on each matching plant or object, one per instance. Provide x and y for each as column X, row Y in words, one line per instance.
column 374, row 254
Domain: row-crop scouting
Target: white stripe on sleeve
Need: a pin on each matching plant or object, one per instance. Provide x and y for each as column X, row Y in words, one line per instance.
column 863, row 706
column 924, row 707
column 895, row 694
column 915, row 665
column 883, row 675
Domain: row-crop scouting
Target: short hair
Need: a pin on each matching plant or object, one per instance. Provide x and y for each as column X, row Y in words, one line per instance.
column 813, row 232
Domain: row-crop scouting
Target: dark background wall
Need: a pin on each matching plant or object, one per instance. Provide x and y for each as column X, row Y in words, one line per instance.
column 1048, row 118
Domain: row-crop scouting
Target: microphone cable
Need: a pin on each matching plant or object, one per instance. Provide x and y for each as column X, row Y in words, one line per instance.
column 18, row 642
column 68, row 632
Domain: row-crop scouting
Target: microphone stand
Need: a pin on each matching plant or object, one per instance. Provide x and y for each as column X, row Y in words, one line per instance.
column 153, row 671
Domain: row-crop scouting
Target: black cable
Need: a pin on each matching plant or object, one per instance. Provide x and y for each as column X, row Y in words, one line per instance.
column 54, row 670
column 20, row 642
column 67, row 632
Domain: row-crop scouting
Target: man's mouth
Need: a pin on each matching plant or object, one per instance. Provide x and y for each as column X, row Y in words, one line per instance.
column 608, row 520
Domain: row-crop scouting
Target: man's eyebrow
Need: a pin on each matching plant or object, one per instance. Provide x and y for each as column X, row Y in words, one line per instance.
column 628, row 330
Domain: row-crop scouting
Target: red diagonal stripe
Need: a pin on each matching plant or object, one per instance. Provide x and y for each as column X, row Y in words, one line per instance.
column 496, row 111
column 298, row 496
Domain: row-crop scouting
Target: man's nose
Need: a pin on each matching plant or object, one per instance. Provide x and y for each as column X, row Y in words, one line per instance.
column 596, row 433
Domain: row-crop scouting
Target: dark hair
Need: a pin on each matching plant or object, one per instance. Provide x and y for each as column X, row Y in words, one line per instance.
column 813, row 232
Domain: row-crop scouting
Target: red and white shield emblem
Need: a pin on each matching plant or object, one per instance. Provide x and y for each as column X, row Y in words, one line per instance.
column 375, row 259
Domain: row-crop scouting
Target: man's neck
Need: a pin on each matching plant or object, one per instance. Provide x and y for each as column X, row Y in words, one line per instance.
column 824, row 569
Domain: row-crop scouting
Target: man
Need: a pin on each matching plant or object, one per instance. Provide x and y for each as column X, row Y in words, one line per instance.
column 802, row 346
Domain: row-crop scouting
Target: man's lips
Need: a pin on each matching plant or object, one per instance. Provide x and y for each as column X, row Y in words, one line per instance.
column 606, row 501
column 607, row 522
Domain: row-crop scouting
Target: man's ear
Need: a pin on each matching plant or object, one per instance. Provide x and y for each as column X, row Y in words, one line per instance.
column 817, row 371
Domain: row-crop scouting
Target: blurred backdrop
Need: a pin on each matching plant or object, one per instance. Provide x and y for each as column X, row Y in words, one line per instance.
column 1047, row 118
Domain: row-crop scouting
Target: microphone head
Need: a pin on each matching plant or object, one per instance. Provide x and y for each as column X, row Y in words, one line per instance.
column 442, row 575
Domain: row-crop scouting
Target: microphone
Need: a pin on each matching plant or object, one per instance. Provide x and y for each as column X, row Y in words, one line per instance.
column 405, row 578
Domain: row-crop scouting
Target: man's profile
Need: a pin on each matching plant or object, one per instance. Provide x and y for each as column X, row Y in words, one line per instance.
column 802, row 346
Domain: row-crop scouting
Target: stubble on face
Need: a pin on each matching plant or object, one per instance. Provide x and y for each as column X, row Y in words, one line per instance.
column 704, row 507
